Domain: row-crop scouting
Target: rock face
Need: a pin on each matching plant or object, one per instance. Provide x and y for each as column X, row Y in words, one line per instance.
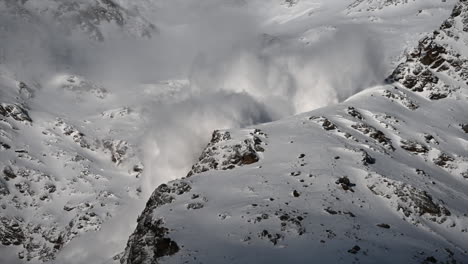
column 426, row 68
column 374, row 5
column 14, row 111
column 222, row 153
column 148, row 247
column 89, row 16
column 383, row 173
column 52, row 188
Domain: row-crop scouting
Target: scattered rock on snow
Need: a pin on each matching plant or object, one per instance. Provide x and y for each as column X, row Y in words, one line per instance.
column 354, row 250
column 386, row 226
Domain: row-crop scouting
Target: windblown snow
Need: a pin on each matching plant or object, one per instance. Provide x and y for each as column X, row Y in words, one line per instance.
column 104, row 101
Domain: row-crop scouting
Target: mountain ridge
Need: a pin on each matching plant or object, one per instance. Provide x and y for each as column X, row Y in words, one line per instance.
column 85, row 139
column 384, row 172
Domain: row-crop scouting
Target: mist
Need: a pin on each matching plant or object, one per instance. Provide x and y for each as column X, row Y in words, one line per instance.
column 237, row 71
column 238, row 74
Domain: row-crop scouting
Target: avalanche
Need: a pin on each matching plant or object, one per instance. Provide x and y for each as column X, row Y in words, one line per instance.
column 103, row 101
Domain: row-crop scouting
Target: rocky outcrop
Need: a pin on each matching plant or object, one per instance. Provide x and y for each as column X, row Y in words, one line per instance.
column 222, row 153
column 10, row 232
column 53, row 188
column 15, row 111
column 436, row 56
column 374, row 5
column 412, row 202
column 151, row 240
column 88, row 16
column 351, row 182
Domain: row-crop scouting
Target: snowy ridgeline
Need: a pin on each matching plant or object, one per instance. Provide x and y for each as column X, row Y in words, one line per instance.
column 72, row 150
column 87, row 15
column 379, row 178
column 58, row 181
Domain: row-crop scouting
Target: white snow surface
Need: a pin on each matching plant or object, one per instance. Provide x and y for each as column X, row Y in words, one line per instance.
column 378, row 178
column 116, row 112
column 242, row 207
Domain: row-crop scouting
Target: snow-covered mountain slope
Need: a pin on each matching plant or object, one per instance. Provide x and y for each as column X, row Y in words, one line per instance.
column 89, row 128
column 90, row 16
column 61, row 175
column 373, row 5
column 379, row 178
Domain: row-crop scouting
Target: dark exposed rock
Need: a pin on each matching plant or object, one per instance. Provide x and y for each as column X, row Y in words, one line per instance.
column 345, row 183
column 90, row 16
column 366, row 158
column 354, row 113
column 333, row 212
column 413, row 147
column 4, row 188
column 411, row 201
column 464, row 127
column 343, row 180
column 68, row 208
column 8, row 173
column 374, row 133
column 165, row 247
column 4, row 146
column 261, row 217
column 386, row 226
column 163, row 194
column 402, row 98
column 23, row 187
column 422, row 201
column 248, row 158
column 117, row 148
column 273, row 238
column 349, row 214
column 14, row 111
column 324, row 122
column 50, row 188
column 437, row 96
column 430, row 259
column 295, row 173
column 443, row 160
column 430, row 139
column 465, row 174
column 194, row 206
column 220, row 154
column 138, row 168
column 77, row 136
column 327, row 125
column 433, row 54
column 149, row 242
column 219, row 136
column 354, row 250
column 11, row 232
column 291, row 220
column 330, row 211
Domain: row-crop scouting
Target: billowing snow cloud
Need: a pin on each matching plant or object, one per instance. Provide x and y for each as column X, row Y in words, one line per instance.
column 229, row 64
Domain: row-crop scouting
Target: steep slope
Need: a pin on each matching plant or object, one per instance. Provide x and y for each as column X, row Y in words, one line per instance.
column 373, row 5
column 380, row 178
column 90, row 16
column 86, row 126
column 61, row 176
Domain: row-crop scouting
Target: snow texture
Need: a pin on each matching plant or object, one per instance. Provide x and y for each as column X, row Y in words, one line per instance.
column 102, row 101
column 382, row 174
